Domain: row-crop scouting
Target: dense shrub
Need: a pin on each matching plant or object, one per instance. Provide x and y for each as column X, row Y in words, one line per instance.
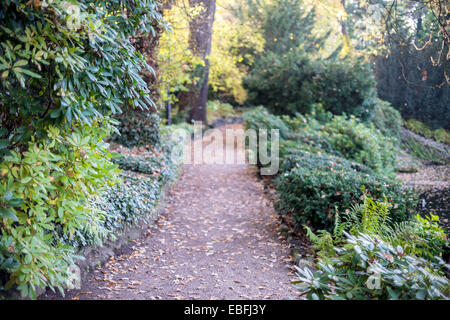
column 65, row 68
column 135, row 199
column 45, row 193
column 284, row 24
column 291, row 83
column 137, row 129
column 387, row 119
column 157, row 162
column 133, row 163
column 217, row 110
column 425, row 150
column 259, row 118
column 282, row 83
column 346, row 86
column 314, row 187
column 349, row 139
column 366, row 250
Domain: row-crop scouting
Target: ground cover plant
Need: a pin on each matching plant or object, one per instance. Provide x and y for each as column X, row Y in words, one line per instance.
column 440, row 135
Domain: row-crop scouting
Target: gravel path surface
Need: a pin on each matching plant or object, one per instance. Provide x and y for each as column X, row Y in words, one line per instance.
column 217, row 239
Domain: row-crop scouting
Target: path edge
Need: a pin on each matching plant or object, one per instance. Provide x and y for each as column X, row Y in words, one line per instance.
column 97, row 255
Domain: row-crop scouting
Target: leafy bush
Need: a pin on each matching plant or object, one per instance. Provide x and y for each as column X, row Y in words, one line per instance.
column 216, row 110
column 137, row 129
column 350, row 139
column 419, row 127
column 343, row 259
column 156, row 162
column 422, row 237
column 315, row 187
column 132, row 163
column 282, row 83
column 369, row 268
column 45, row 192
column 441, row 135
column 387, row 119
column 291, row 83
column 65, row 68
column 397, row 78
column 134, row 198
column 346, row 86
column 259, row 118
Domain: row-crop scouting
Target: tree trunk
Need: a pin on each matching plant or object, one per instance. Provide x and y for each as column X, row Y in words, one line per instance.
column 200, row 28
column 344, row 31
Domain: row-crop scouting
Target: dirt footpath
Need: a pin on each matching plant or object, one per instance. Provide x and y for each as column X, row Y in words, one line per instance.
column 217, row 239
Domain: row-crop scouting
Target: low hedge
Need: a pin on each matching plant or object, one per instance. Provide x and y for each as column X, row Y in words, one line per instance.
column 350, row 139
column 313, row 187
column 135, row 197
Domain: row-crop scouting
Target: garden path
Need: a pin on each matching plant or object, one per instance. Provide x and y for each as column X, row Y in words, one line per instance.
column 218, row 238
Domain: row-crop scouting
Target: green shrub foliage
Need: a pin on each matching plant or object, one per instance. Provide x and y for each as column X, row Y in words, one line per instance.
column 159, row 162
column 259, row 118
column 137, row 129
column 315, row 187
column 374, row 266
column 292, row 82
column 134, row 198
column 336, row 135
column 352, row 140
column 346, row 86
column 62, row 62
column 65, row 67
column 387, row 119
column 45, row 192
column 326, row 165
column 282, row 83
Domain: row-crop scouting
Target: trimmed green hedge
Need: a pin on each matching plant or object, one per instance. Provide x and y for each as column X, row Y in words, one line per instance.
column 313, row 187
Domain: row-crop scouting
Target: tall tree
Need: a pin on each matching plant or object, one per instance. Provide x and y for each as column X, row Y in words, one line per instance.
column 200, row 28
